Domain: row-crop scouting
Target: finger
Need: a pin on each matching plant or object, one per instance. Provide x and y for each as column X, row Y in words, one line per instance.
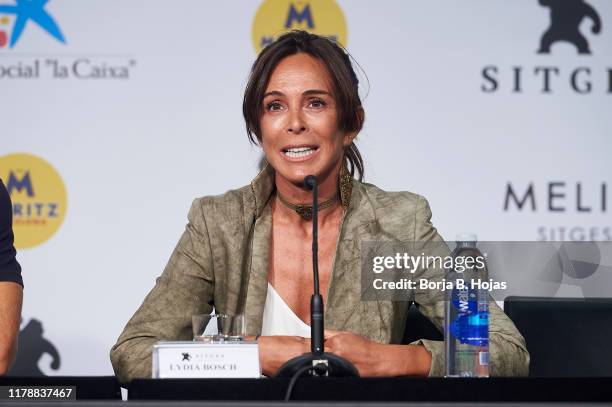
column 328, row 333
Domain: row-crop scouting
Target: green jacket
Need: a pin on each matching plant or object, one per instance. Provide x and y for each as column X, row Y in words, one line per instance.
column 221, row 261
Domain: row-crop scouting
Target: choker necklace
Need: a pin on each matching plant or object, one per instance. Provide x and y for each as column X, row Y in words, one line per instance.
column 305, row 210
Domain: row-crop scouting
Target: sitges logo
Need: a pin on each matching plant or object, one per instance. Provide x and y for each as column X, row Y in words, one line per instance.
column 576, row 200
column 566, row 18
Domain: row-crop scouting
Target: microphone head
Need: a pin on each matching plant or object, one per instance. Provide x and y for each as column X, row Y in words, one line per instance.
column 310, row 181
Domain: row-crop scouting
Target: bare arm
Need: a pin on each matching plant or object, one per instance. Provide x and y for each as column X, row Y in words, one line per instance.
column 274, row 351
column 374, row 359
column 11, row 295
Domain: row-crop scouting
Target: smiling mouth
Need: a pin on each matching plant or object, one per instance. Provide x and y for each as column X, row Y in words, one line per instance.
column 296, row 152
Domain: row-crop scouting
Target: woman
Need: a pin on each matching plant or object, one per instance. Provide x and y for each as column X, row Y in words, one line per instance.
column 251, row 247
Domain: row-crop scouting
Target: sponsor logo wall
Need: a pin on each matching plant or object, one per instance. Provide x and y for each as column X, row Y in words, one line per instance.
column 112, row 122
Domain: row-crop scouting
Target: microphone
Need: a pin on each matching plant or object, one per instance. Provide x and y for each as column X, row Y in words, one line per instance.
column 316, row 301
column 317, row 362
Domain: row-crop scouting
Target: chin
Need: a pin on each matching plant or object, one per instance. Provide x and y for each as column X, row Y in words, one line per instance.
column 295, row 172
column 296, row 175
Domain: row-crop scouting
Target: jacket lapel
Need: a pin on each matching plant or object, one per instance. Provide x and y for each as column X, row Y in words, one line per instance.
column 261, row 229
column 345, row 309
column 257, row 288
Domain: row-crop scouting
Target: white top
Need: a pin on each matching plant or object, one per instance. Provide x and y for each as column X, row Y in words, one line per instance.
column 279, row 319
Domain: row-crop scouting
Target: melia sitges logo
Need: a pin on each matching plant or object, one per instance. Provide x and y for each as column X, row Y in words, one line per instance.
column 38, row 195
column 275, row 17
column 14, row 18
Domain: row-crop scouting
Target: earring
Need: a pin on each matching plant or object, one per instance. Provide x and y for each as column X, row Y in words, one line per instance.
column 346, row 185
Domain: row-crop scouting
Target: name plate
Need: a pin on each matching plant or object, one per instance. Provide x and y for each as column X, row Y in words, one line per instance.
column 184, row 359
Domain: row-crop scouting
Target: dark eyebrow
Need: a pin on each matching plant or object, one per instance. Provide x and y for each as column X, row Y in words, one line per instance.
column 307, row 93
column 273, row 93
column 317, row 92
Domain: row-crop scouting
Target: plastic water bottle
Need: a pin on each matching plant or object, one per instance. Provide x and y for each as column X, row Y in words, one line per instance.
column 466, row 323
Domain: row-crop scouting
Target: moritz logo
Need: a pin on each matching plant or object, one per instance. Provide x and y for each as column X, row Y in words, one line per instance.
column 274, row 17
column 38, row 195
column 15, row 17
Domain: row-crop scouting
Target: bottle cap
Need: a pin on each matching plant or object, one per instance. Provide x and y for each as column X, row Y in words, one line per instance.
column 466, row 237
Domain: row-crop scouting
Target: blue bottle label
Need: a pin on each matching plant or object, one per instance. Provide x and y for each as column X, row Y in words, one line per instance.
column 470, row 325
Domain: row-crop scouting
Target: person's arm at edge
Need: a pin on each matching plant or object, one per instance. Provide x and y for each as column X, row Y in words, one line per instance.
column 11, row 285
column 11, row 297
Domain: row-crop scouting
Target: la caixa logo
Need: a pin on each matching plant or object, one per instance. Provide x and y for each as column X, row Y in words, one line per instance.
column 19, row 15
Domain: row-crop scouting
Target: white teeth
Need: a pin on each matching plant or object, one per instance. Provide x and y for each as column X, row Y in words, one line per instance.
column 299, row 149
column 299, row 152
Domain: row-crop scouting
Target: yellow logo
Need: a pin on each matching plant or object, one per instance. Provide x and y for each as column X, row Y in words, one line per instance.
column 275, row 17
column 38, row 195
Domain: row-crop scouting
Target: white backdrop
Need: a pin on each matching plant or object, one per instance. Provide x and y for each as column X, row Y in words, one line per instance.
column 134, row 152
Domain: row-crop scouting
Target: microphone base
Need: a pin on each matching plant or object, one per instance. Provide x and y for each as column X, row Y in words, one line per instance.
column 335, row 366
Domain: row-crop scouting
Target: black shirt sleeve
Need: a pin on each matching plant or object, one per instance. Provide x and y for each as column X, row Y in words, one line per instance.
column 10, row 270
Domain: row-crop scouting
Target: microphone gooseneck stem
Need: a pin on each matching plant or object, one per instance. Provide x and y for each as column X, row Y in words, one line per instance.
column 317, row 362
column 316, row 301
column 315, row 235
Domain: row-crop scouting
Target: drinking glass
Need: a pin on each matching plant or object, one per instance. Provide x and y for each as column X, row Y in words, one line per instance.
column 218, row 327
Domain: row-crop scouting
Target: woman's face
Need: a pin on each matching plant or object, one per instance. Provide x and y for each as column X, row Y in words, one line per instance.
column 299, row 126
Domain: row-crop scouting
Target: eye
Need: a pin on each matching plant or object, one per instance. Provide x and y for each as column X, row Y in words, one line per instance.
column 274, row 106
column 317, row 103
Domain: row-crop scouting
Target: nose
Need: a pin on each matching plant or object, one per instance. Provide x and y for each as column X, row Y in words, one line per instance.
column 296, row 124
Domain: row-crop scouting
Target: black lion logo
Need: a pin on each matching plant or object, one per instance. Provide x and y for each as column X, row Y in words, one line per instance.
column 565, row 19
column 32, row 346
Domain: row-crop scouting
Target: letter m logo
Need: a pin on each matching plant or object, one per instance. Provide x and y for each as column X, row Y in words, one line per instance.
column 18, row 184
column 297, row 18
column 511, row 195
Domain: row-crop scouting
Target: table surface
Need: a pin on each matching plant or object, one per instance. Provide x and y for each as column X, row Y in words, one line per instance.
column 120, row 403
column 379, row 389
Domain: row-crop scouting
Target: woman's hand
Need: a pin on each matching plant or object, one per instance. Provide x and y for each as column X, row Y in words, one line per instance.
column 274, row 351
column 374, row 359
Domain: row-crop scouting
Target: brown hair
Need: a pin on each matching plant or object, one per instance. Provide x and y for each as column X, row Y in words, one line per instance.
column 338, row 63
